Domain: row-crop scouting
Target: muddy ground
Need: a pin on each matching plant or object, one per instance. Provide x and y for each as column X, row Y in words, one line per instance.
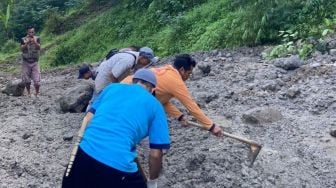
column 35, row 137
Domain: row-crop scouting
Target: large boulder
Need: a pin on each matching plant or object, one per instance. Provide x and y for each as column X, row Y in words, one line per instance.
column 201, row 70
column 77, row 98
column 262, row 115
column 289, row 63
column 14, row 88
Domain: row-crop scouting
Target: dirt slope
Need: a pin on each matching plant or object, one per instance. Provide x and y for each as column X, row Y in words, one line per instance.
column 298, row 150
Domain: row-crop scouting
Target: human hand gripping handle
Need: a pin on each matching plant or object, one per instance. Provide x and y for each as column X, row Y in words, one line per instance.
column 183, row 120
column 216, row 130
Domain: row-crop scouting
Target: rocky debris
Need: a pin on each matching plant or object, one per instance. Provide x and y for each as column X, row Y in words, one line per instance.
column 14, row 88
column 68, row 137
column 269, row 85
column 288, row 63
column 77, row 98
column 205, row 97
column 297, row 148
column 202, row 69
column 25, row 136
column 293, row 92
column 205, row 67
column 332, row 52
column 195, row 162
column 262, row 115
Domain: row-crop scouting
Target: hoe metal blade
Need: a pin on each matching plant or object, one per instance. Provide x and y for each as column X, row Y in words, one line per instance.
column 254, row 151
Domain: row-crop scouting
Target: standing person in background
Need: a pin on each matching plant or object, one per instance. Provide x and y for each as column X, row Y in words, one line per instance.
column 30, row 48
column 119, row 119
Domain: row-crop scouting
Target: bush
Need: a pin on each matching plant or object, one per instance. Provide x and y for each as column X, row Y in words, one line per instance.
column 54, row 23
column 10, row 46
column 65, row 54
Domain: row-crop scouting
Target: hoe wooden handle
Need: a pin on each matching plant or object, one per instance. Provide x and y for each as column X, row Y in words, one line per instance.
column 239, row 138
column 75, row 148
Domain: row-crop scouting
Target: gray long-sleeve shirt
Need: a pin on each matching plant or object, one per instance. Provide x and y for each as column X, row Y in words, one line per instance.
column 118, row 66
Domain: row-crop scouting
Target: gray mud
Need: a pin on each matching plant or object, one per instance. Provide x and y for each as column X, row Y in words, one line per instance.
column 35, row 137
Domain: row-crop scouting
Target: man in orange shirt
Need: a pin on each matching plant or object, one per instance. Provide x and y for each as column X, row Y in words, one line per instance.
column 171, row 83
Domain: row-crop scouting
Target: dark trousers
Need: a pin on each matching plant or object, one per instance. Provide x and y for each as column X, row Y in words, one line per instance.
column 90, row 173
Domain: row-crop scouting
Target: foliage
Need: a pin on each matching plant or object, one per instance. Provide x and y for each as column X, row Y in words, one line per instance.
column 33, row 13
column 10, row 46
column 5, row 15
column 292, row 43
column 84, row 30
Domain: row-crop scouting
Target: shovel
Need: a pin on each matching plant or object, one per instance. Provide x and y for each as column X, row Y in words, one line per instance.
column 254, row 146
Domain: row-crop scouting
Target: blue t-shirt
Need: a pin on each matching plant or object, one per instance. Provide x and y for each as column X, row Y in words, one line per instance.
column 124, row 115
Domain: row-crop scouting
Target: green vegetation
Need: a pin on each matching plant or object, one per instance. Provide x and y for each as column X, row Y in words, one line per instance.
column 74, row 31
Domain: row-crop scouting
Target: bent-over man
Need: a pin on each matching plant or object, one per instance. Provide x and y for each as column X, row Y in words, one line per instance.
column 120, row 118
column 171, row 84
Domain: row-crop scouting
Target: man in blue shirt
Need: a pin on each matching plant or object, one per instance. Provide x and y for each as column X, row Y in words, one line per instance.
column 119, row 119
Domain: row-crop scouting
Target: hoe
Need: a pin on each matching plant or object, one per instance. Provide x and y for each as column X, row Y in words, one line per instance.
column 254, row 146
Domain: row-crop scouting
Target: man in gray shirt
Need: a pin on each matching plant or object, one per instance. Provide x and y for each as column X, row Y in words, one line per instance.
column 120, row 65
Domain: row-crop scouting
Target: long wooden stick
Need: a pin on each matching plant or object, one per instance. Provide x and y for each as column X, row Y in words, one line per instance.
column 75, row 148
column 245, row 140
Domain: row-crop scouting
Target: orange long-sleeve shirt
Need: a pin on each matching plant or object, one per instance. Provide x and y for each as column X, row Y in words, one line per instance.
column 169, row 85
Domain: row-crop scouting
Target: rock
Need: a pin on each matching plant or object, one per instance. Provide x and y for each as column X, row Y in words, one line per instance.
column 49, row 138
column 196, row 75
column 77, row 98
column 14, row 87
column 25, row 136
column 195, row 162
column 262, row 115
column 288, row 63
column 332, row 52
column 68, row 137
column 331, row 43
column 22, row 114
column 314, row 65
column 207, row 97
column 269, row 75
column 204, row 67
column 269, row 85
column 293, row 92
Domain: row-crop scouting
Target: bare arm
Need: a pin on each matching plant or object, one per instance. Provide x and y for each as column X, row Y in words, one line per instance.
column 155, row 163
column 181, row 93
column 171, row 110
